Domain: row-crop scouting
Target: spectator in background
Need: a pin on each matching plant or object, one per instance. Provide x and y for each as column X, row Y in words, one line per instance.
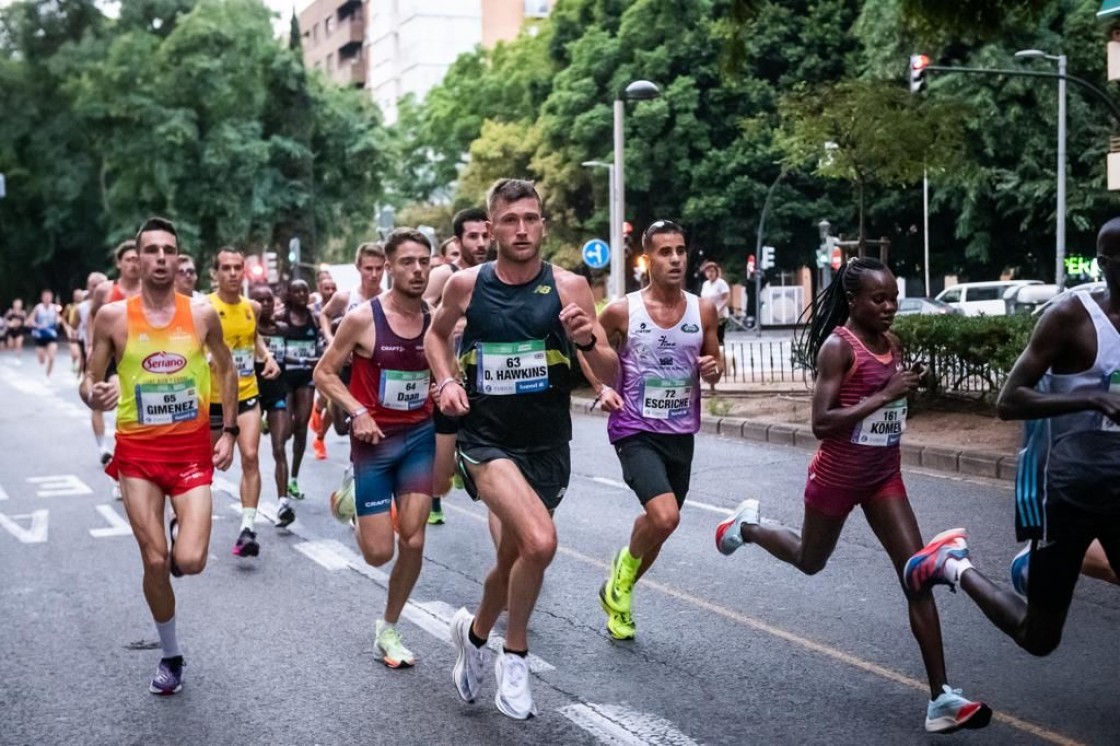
column 186, row 278
column 716, row 290
column 449, row 252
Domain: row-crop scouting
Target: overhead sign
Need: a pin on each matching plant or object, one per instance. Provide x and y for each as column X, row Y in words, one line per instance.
column 596, row 253
column 1109, row 8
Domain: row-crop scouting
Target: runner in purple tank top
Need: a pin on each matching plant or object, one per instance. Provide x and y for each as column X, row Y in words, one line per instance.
column 666, row 340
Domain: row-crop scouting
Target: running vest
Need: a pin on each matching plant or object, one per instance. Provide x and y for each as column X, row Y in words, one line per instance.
column 659, row 373
column 1102, row 375
column 115, row 293
column 45, row 319
column 870, row 453
column 163, row 412
column 394, row 383
column 239, row 328
column 517, row 362
column 302, row 343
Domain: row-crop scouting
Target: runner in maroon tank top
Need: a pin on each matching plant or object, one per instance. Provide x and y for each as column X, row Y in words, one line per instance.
column 859, row 414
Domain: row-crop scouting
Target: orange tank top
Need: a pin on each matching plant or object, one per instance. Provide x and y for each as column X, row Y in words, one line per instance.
column 163, row 412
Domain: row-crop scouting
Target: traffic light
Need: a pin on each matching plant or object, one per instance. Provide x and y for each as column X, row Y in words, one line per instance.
column 767, row 258
column 918, row 65
column 294, row 250
column 273, row 266
column 750, row 265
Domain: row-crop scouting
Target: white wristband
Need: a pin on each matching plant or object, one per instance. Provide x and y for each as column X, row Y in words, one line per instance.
column 443, row 384
column 358, row 413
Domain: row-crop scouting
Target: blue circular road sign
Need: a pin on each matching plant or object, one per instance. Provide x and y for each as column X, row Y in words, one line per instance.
column 596, row 253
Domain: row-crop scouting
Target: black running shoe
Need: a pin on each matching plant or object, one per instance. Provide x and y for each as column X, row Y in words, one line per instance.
column 247, row 545
column 175, row 571
column 106, row 457
column 285, row 516
column 169, row 676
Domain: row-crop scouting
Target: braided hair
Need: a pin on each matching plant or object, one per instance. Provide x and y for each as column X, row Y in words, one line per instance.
column 830, row 307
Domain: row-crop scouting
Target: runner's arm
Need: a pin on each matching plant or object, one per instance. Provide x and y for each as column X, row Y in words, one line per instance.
column 94, row 390
column 582, row 328
column 710, row 362
column 331, row 310
column 451, row 397
column 437, row 280
column 829, row 419
column 352, row 332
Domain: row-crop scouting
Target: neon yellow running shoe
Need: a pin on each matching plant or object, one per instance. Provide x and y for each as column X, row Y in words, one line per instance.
column 617, row 592
column 620, row 625
column 393, row 652
column 342, row 500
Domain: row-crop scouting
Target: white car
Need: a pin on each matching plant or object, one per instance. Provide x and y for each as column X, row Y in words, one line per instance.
column 975, row 298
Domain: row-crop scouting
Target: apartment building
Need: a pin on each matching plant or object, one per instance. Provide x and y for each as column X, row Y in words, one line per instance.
column 334, row 39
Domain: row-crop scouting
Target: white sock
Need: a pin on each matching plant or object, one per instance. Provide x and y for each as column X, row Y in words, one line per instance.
column 100, row 442
column 285, row 502
column 167, row 638
column 248, row 518
column 954, row 568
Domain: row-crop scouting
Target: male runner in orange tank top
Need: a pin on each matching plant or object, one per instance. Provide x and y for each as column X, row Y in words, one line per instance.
column 159, row 342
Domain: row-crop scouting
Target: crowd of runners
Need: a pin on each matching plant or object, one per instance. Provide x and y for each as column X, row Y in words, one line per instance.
column 461, row 371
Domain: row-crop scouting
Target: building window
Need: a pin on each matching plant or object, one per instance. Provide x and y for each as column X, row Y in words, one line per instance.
column 315, row 33
column 330, row 62
column 537, row 8
column 328, row 25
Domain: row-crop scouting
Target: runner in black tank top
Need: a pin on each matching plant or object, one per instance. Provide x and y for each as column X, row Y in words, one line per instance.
column 523, row 316
column 303, row 345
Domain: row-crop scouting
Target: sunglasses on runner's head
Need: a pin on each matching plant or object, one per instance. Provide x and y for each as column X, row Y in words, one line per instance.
column 662, row 226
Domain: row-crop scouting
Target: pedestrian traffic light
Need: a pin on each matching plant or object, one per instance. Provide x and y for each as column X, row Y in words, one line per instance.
column 294, row 250
column 767, row 258
column 918, row 65
column 750, row 265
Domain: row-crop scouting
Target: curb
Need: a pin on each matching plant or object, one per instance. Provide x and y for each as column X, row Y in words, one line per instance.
column 936, row 458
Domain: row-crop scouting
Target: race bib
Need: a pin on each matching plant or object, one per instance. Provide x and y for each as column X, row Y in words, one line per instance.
column 506, row 368
column 166, row 403
column 883, row 427
column 1113, row 388
column 302, row 350
column 243, row 361
column 403, row 390
column 275, row 346
column 666, row 398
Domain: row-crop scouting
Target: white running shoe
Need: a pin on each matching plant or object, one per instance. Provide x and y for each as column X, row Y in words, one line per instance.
column 117, row 491
column 729, row 533
column 513, row 697
column 469, row 660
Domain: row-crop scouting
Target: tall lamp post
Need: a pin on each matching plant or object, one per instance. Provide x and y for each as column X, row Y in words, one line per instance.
column 1060, row 250
column 615, row 221
column 639, row 90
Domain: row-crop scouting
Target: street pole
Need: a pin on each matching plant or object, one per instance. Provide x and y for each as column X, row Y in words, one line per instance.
column 618, row 206
column 1060, row 252
column 758, row 254
column 925, row 221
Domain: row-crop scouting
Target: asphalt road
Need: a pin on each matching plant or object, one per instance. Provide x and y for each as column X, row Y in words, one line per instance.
column 280, row 648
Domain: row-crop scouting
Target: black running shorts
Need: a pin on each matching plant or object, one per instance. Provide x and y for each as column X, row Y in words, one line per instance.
column 243, row 406
column 547, row 472
column 1055, row 565
column 656, row 464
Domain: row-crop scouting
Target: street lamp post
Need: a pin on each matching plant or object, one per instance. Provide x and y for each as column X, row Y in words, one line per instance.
column 1060, row 241
column 639, row 90
column 615, row 221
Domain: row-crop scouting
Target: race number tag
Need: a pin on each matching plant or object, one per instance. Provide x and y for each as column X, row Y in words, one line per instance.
column 512, row 367
column 275, row 346
column 1113, row 388
column 301, row 351
column 666, row 398
column 166, row 403
column 883, row 427
column 243, row 361
column 403, row 390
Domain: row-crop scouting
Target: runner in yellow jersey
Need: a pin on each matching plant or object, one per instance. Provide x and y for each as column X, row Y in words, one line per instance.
column 238, row 316
column 159, row 343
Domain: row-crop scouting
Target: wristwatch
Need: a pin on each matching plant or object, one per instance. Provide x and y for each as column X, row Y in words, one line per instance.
column 233, row 430
column 587, row 347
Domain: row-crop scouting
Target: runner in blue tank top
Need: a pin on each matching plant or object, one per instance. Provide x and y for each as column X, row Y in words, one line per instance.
column 524, row 316
column 667, row 341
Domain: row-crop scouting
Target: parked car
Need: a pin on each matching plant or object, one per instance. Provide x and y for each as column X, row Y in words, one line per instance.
column 975, row 298
column 1094, row 288
column 926, row 306
column 1026, row 298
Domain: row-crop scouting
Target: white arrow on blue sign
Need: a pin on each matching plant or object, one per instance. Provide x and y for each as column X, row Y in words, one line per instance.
column 596, row 253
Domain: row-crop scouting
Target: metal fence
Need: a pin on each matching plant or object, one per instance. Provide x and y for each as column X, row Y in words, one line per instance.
column 781, row 361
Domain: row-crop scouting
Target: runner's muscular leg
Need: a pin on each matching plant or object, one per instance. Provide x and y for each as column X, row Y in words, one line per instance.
column 808, row 551
column 144, row 504
column 412, row 516
column 657, row 523
column 527, row 526
column 302, row 400
column 194, row 510
column 375, row 537
column 279, row 423
column 248, row 443
column 444, row 466
column 892, row 519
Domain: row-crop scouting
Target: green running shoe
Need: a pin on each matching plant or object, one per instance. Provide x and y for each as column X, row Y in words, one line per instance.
column 294, row 491
column 617, row 591
column 435, row 518
column 619, row 626
column 393, row 652
column 457, row 481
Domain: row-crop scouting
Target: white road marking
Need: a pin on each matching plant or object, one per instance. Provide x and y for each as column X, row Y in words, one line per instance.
column 3, row 494
column 615, row 724
column 323, row 553
column 611, row 483
column 57, row 485
column 36, row 531
column 709, row 508
column 117, row 526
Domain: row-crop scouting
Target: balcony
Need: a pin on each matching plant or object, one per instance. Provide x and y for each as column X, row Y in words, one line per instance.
column 351, row 35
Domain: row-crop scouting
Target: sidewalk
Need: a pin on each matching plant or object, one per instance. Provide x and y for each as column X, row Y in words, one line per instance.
column 968, row 462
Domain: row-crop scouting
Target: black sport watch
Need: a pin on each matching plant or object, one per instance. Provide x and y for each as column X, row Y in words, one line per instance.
column 234, row 430
column 587, row 347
